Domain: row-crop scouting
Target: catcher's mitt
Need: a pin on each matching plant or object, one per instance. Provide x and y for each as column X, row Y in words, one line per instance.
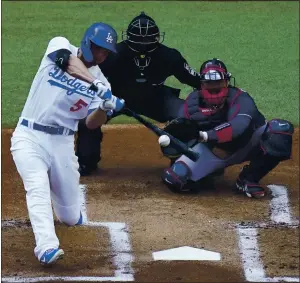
column 183, row 129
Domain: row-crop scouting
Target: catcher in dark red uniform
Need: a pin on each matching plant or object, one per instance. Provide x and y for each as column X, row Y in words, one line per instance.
column 223, row 116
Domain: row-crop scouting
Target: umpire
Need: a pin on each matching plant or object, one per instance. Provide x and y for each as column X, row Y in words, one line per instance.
column 137, row 73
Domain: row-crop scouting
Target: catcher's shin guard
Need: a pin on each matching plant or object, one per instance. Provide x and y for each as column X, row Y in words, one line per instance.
column 260, row 165
column 176, row 176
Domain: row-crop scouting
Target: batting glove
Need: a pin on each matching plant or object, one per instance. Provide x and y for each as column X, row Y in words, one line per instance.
column 114, row 103
column 203, row 136
column 101, row 89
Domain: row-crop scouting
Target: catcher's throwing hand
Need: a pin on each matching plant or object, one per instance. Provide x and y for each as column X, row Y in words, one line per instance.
column 203, row 136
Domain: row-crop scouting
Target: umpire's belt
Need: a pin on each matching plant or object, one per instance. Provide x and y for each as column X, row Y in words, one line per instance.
column 47, row 129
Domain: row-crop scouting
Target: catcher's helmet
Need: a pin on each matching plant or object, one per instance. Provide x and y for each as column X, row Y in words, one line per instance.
column 142, row 34
column 100, row 34
column 214, row 69
column 214, row 82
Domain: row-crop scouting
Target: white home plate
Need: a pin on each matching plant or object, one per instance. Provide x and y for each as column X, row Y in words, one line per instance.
column 186, row 253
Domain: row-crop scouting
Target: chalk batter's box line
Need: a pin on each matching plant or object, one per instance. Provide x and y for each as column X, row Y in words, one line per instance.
column 122, row 259
column 264, row 225
column 66, row 279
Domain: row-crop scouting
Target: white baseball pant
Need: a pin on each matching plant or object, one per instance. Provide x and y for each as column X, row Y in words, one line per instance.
column 48, row 167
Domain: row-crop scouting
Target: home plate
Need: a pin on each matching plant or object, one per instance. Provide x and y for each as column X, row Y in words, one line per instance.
column 186, row 253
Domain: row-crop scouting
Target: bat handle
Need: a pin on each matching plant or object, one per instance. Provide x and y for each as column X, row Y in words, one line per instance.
column 193, row 155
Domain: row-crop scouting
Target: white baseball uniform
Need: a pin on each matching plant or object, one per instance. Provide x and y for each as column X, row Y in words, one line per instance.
column 42, row 144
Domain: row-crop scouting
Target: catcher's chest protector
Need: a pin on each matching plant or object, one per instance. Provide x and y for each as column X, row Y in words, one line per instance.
column 193, row 112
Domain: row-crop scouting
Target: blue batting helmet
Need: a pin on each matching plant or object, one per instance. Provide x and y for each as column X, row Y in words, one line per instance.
column 100, row 34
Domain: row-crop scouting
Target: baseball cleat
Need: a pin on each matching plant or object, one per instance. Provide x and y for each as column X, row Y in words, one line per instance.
column 250, row 189
column 50, row 256
column 80, row 221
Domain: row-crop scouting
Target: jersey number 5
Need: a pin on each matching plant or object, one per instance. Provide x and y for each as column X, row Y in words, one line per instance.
column 78, row 105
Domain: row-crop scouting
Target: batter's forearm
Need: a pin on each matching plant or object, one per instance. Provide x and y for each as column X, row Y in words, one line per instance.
column 96, row 119
column 77, row 69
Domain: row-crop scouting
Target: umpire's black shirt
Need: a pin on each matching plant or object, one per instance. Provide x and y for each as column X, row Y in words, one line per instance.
column 122, row 71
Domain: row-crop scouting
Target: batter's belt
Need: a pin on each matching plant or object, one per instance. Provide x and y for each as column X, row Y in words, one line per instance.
column 47, row 129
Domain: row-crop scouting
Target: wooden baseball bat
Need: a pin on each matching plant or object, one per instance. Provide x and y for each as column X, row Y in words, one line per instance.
column 176, row 143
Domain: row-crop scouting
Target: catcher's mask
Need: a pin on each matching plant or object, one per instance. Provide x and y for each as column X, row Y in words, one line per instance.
column 143, row 37
column 214, row 83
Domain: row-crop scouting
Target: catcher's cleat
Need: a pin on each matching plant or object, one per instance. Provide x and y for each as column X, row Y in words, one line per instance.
column 85, row 170
column 250, row 189
column 51, row 256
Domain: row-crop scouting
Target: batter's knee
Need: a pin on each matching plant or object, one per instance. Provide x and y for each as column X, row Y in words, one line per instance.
column 70, row 220
column 176, row 176
column 69, row 215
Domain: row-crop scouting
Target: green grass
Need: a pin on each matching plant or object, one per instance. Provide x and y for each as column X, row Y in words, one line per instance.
column 259, row 42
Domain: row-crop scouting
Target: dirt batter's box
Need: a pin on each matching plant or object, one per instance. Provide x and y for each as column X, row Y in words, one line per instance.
column 248, row 238
column 120, row 248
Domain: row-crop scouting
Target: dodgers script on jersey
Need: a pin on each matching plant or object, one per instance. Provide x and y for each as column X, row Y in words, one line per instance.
column 58, row 99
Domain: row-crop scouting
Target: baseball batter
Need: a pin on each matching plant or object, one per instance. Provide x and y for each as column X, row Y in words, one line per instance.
column 67, row 87
column 227, row 118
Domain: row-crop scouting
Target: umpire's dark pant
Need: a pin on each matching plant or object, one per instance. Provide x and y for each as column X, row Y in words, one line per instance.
column 158, row 103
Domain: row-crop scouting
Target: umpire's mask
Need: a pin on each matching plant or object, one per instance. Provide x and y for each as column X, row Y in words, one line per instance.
column 143, row 37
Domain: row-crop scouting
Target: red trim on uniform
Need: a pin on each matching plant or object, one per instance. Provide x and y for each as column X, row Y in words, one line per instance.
column 214, row 68
column 276, row 132
column 225, row 134
column 235, row 113
column 186, row 111
column 239, row 91
column 185, row 107
column 283, row 133
column 263, row 149
column 170, row 171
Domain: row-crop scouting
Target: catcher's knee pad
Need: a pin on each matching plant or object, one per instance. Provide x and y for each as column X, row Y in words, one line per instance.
column 176, row 176
column 277, row 139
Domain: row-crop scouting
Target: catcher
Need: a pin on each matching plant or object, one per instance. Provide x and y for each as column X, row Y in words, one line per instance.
column 222, row 116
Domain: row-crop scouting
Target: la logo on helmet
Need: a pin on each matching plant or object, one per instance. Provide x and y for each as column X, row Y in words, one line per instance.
column 109, row 38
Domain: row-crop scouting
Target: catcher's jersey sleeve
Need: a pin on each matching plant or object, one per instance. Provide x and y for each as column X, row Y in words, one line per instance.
column 240, row 114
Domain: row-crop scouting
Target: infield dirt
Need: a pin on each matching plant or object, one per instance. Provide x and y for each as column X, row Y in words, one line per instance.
column 127, row 188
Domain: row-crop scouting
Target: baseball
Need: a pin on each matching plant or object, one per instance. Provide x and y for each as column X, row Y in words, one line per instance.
column 164, row 140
